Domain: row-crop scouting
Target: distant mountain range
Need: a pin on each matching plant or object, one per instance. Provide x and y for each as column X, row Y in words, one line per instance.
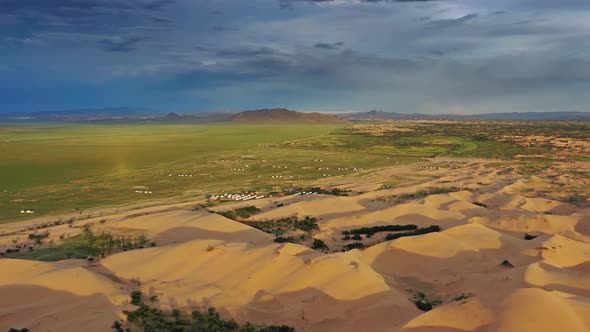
column 122, row 115
column 284, row 115
column 86, row 114
column 523, row 116
column 272, row 115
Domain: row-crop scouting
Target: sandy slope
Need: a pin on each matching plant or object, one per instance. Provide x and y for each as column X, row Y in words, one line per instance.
column 466, row 316
column 549, row 277
column 181, row 226
column 245, row 279
column 320, row 207
column 410, row 213
column 533, row 309
column 273, row 268
column 203, row 259
column 563, row 252
column 56, row 297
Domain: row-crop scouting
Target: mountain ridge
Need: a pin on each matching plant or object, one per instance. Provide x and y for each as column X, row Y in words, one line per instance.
column 283, row 115
column 271, row 115
column 382, row 115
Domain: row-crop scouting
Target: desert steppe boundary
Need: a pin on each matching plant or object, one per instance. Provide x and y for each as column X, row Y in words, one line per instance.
column 511, row 254
column 294, row 166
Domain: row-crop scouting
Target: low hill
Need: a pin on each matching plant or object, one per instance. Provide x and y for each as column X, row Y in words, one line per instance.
column 515, row 116
column 565, row 116
column 284, row 115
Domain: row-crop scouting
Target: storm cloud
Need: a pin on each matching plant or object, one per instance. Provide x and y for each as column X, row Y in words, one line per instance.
column 327, row 55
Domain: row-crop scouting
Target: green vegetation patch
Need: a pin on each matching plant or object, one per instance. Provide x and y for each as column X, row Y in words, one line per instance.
column 419, row 231
column 148, row 318
column 319, row 245
column 462, row 297
column 369, row 231
column 288, row 239
column 425, row 302
column 58, row 168
column 83, row 246
column 240, row 213
column 354, row 245
column 282, row 226
column 398, row 199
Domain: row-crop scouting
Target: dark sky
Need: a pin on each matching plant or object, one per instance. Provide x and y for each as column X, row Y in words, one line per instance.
column 469, row 56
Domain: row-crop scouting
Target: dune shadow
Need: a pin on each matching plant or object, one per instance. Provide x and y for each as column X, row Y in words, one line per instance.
column 583, row 226
column 562, row 287
column 184, row 234
column 43, row 309
column 311, row 309
column 464, row 272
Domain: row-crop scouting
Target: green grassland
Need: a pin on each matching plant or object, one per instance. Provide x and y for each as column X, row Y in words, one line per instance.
column 56, row 168
column 418, row 144
column 75, row 247
column 66, row 167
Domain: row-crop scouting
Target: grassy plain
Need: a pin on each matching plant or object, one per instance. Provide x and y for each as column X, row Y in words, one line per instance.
column 57, row 168
column 519, row 210
column 60, row 168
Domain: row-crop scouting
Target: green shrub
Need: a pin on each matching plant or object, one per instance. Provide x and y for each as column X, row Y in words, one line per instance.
column 280, row 226
column 319, row 244
column 461, row 297
column 136, row 297
column 241, row 213
column 376, row 229
column 148, row 319
column 117, row 326
column 354, row 245
column 425, row 303
column 506, row 263
column 308, row 224
column 37, row 237
column 288, row 239
column 419, row 231
column 424, row 306
column 334, row 191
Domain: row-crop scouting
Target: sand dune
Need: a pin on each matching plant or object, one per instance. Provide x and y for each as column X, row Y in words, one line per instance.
column 533, row 309
column 425, row 262
column 264, row 282
column 466, row 196
column 410, row 213
column 467, row 315
column 540, row 205
column 438, row 201
column 59, row 276
column 563, row 252
column 551, row 278
column 43, row 309
column 57, row 297
column 318, row 208
column 480, row 268
column 525, row 223
column 181, row 226
column 433, row 245
column 446, row 244
column 272, row 268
